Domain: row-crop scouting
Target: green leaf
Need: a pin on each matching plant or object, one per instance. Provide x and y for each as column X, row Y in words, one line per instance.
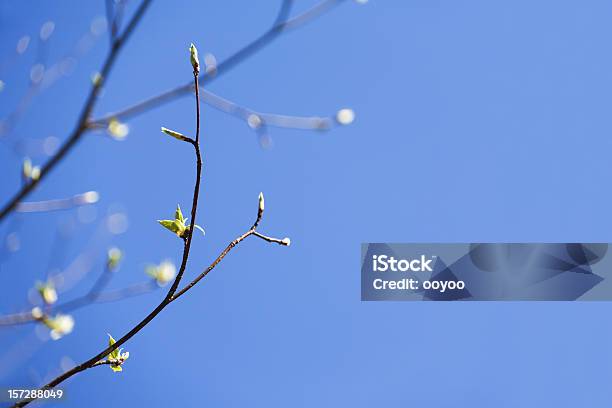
column 178, row 214
column 174, row 134
column 116, row 368
column 195, row 61
column 115, row 353
column 170, row 225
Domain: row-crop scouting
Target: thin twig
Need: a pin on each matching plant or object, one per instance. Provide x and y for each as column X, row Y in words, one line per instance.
column 251, row 231
column 187, row 245
column 102, row 362
column 81, row 125
column 281, row 24
column 172, row 293
column 283, row 241
column 77, row 200
column 279, row 27
column 95, row 295
column 246, row 114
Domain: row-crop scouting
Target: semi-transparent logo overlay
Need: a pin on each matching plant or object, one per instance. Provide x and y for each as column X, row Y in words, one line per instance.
column 486, row 271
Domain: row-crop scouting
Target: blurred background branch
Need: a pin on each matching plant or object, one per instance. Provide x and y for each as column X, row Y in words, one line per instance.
column 281, row 24
column 81, row 125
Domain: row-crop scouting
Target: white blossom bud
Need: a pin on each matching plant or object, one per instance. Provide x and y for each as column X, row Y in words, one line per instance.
column 345, row 116
column 174, row 134
column 261, row 204
column 195, row 61
column 60, row 325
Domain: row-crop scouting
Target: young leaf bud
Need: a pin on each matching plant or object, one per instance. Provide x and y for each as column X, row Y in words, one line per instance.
column 195, row 61
column 178, row 214
column 37, row 313
column 47, row 292
column 261, row 205
column 174, row 134
column 113, row 258
column 60, row 325
column 26, row 168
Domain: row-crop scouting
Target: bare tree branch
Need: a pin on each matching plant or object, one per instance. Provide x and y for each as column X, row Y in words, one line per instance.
column 172, row 293
column 89, row 197
column 81, row 125
column 96, row 294
column 280, row 25
column 90, row 298
column 251, row 116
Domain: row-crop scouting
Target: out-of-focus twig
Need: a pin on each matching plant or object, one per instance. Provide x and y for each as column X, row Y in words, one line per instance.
column 253, row 118
column 95, row 295
column 172, row 293
column 89, row 197
column 42, row 77
column 81, row 125
column 280, row 26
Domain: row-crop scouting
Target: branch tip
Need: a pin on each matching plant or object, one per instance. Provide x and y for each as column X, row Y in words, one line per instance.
column 195, row 61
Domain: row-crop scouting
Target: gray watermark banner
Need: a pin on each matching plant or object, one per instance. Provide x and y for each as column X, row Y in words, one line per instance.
column 486, row 271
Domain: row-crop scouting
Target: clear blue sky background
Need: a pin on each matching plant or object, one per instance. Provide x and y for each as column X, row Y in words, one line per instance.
column 476, row 121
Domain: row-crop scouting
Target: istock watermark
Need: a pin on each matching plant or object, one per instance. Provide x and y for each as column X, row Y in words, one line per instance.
column 382, row 263
column 486, row 271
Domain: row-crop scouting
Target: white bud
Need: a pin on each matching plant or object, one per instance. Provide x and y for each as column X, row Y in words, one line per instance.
column 286, row 241
column 162, row 273
column 254, row 121
column 117, row 130
column 174, row 134
column 96, row 78
column 89, row 197
column 195, row 61
column 345, row 116
column 166, row 272
column 113, row 257
column 49, row 294
column 37, row 313
column 35, row 173
column 261, row 202
column 60, row 325
column 26, row 168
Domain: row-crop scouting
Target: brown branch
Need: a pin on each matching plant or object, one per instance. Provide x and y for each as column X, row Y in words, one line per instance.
column 94, row 361
column 81, row 125
column 281, row 24
column 95, row 295
column 245, row 114
column 251, row 231
column 87, row 198
column 172, row 294
column 102, row 362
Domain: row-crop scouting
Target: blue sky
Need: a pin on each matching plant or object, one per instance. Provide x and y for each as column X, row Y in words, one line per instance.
column 476, row 121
